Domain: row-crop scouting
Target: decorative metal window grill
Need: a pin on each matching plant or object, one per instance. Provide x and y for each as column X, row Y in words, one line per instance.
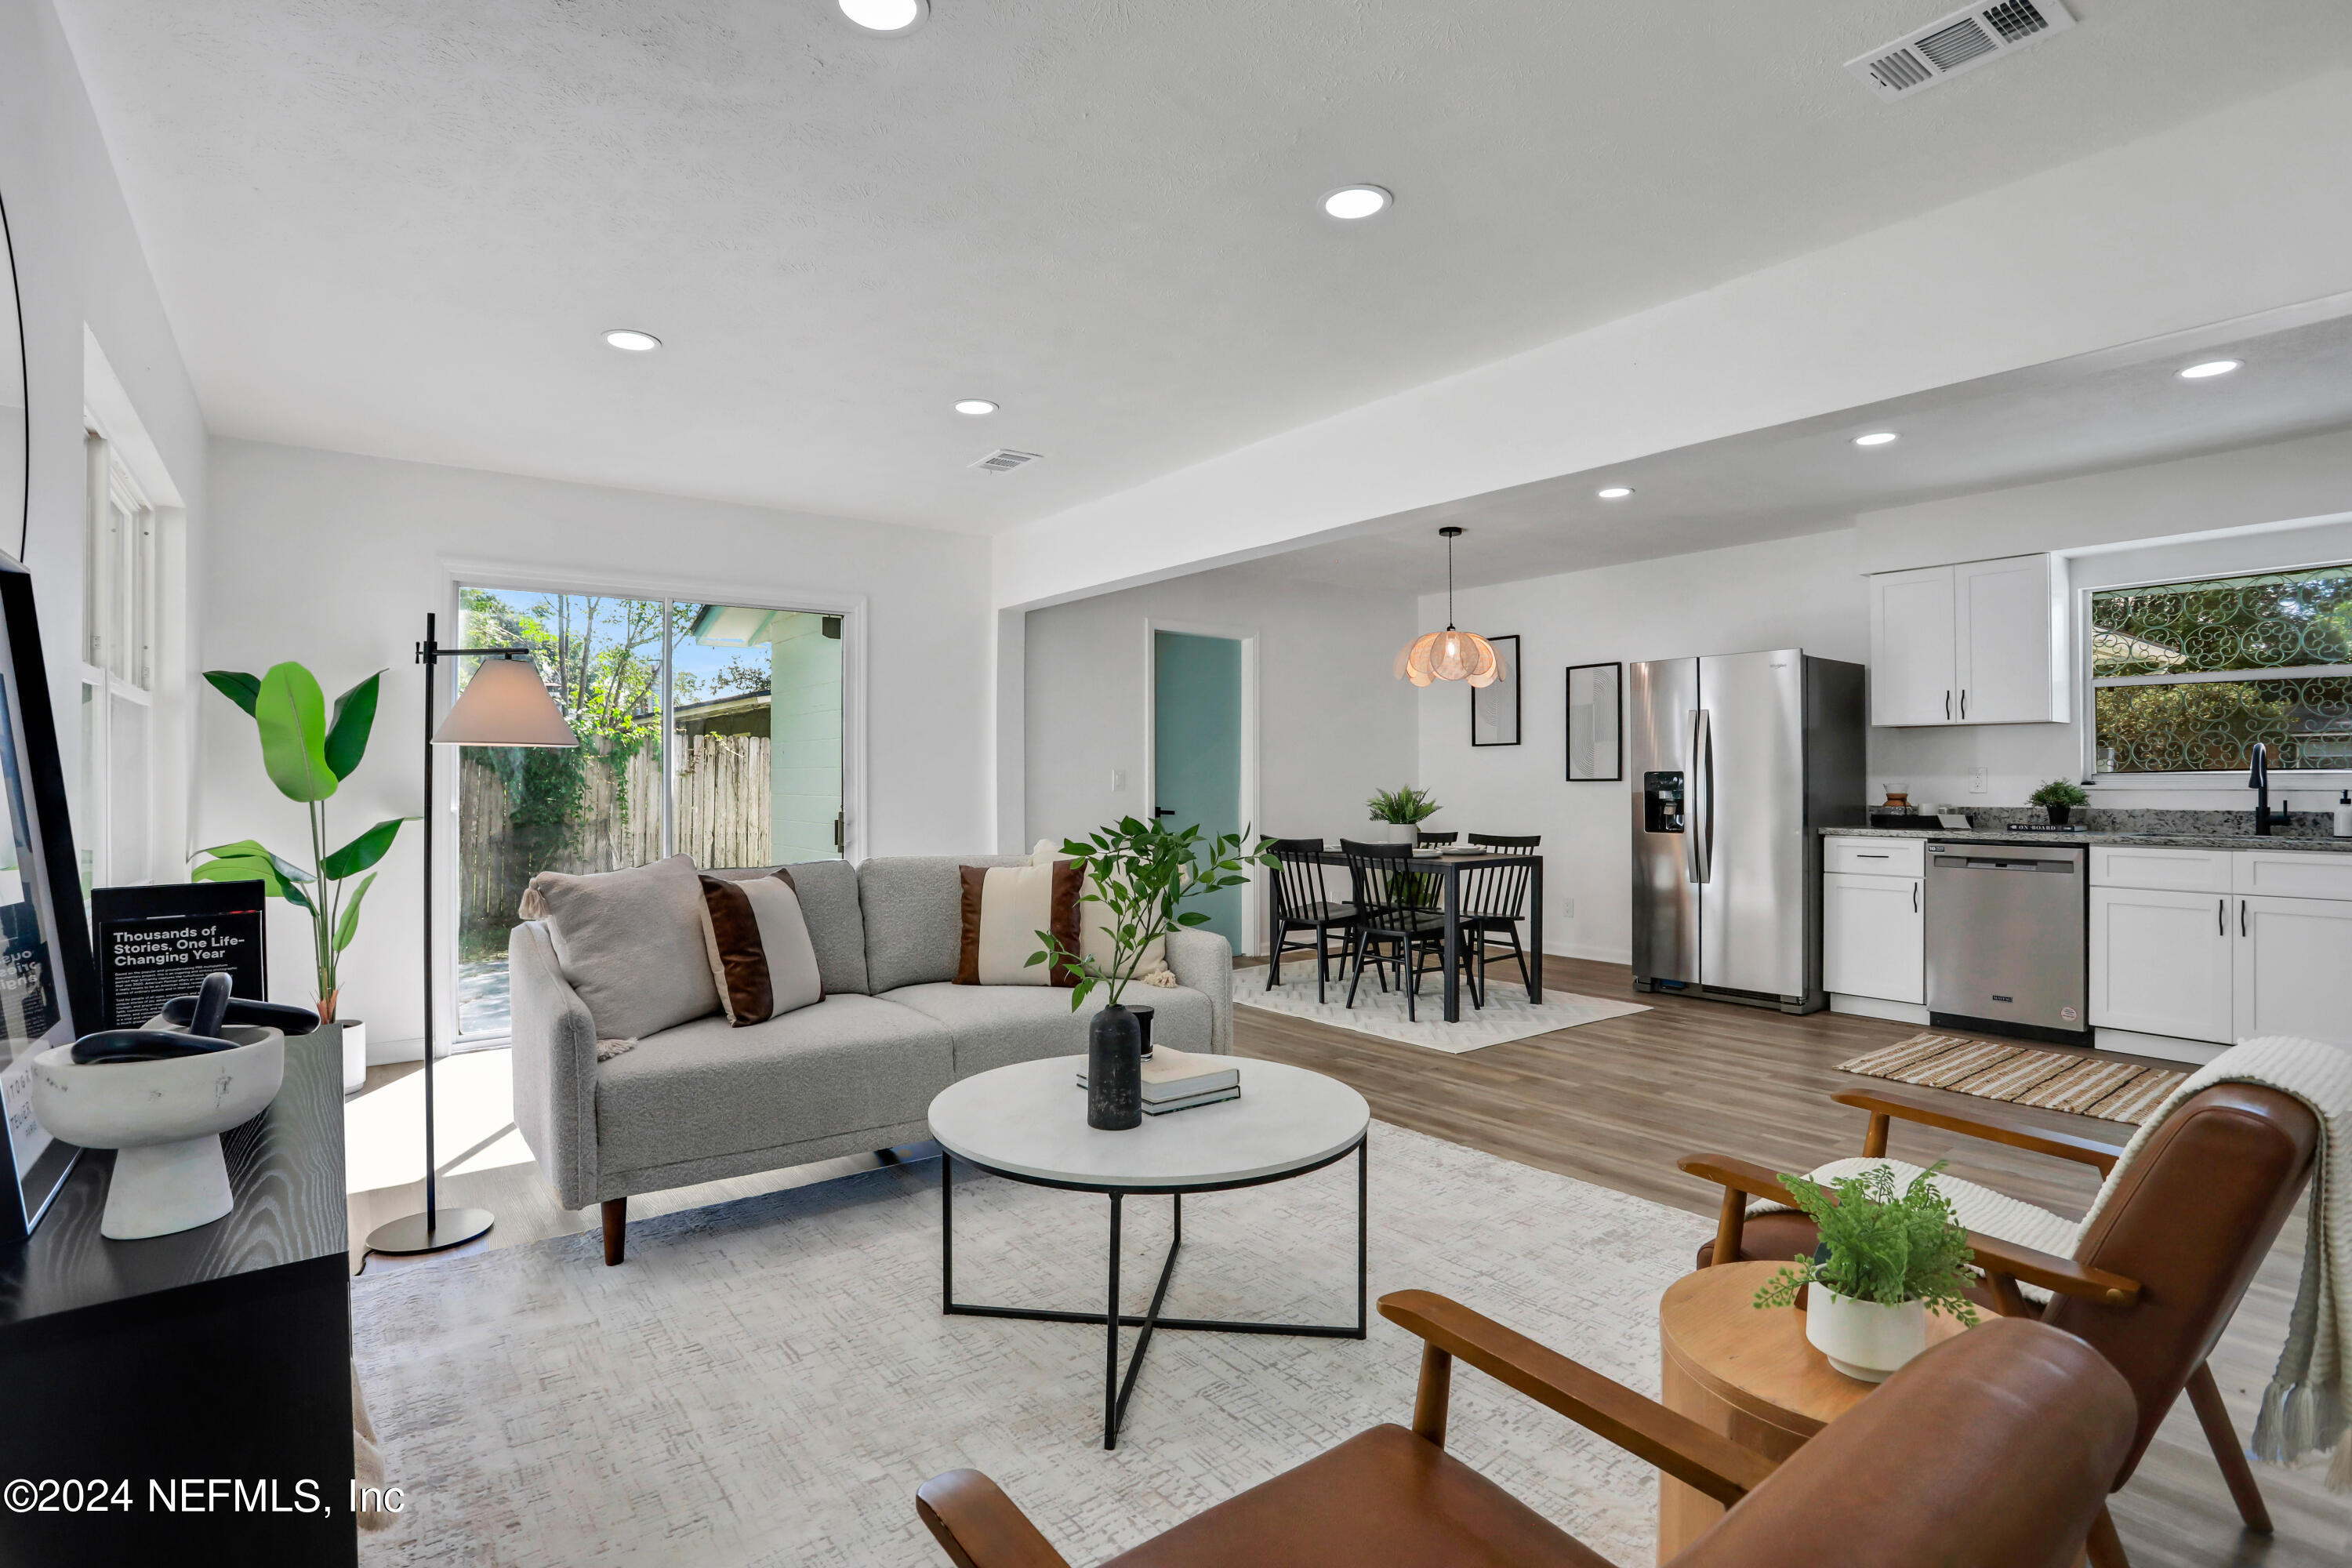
column 2186, row 677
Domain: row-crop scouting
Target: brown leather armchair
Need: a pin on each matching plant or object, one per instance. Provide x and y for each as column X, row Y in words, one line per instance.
column 1993, row 1451
column 2151, row 1284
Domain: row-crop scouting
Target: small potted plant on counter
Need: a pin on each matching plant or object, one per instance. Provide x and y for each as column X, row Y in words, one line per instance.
column 1404, row 811
column 1885, row 1259
column 2059, row 797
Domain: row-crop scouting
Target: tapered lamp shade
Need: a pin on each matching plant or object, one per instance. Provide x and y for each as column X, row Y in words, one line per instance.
column 1450, row 655
column 506, row 704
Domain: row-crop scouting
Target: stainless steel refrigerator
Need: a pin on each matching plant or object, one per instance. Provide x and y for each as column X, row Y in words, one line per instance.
column 1737, row 760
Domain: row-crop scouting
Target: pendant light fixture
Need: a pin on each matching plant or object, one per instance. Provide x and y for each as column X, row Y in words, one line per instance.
column 1451, row 654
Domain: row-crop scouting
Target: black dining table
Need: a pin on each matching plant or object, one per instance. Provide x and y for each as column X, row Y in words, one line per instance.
column 1449, row 865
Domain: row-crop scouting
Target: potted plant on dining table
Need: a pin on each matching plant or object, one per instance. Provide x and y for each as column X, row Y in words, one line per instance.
column 1885, row 1259
column 1140, row 872
column 1404, row 811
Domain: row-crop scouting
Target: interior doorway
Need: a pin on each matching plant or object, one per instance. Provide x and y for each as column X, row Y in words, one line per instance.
column 1199, row 741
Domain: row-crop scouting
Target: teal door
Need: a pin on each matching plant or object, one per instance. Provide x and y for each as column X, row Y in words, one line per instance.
column 1196, row 749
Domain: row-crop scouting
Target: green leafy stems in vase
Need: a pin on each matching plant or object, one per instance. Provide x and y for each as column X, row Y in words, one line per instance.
column 1141, row 872
column 1406, row 807
column 308, row 754
column 1879, row 1245
column 2059, row 797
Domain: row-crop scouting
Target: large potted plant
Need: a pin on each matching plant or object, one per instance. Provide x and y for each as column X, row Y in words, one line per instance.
column 2059, row 797
column 309, row 754
column 1404, row 811
column 1885, row 1259
column 1140, row 872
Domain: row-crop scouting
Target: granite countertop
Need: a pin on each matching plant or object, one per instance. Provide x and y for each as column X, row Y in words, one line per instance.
column 2180, row 840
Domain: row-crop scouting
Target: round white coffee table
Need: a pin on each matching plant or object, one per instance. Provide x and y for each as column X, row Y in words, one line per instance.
column 1027, row 1122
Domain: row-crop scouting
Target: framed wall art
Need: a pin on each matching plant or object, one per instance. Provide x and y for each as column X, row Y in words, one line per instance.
column 1494, row 710
column 1596, row 736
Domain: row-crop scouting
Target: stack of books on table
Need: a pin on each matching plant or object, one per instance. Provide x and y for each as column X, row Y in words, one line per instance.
column 1178, row 1080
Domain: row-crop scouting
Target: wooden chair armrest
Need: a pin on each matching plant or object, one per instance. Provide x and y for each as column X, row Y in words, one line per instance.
column 1987, row 1125
column 2052, row 1272
column 1738, row 1175
column 1674, row 1443
column 979, row 1526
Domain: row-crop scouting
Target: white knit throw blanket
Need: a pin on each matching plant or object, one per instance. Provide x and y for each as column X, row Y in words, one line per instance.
column 2308, row 1404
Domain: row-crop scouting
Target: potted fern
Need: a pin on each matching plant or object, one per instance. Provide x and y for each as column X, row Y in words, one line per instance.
column 1140, row 872
column 1885, row 1259
column 2059, row 797
column 1403, row 810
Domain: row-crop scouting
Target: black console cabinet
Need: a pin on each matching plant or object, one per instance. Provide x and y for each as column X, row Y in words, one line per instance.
column 202, row 1379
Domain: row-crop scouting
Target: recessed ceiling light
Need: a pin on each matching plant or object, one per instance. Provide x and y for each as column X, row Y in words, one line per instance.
column 1875, row 438
column 974, row 406
column 1353, row 202
column 890, row 16
column 2211, row 367
column 1615, row 492
column 632, row 340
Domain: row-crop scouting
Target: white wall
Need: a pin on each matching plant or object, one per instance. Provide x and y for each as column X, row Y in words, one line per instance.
column 1333, row 725
column 335, row 559
column 1794, row 592
column 83, row 278
column 1811, row 593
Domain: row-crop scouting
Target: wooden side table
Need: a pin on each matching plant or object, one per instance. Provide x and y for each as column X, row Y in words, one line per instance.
column 1750, row 1375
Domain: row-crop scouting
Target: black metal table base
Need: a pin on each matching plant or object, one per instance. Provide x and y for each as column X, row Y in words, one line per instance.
column 1116, row 1387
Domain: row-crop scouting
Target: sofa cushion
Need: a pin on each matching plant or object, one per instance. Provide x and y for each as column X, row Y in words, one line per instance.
column 706, row 1088
column 630, row 942
column 1005, row 908
column 760, row 958
column 828, row 890
column 1095, row 923
column 914, row 916
column 995, row 1026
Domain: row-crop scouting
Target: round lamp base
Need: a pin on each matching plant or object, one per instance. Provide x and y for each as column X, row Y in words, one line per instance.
column 411, row 1234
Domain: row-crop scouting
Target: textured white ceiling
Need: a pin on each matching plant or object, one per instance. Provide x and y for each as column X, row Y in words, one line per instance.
column 398, row 226
column 2100, row 411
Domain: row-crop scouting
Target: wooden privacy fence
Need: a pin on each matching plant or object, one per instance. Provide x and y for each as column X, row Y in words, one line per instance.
column 723, row 804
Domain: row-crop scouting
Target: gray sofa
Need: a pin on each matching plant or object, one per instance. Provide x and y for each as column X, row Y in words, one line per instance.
column 857, row 1072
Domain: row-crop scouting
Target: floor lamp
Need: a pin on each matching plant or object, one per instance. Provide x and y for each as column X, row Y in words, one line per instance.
column 506, row 704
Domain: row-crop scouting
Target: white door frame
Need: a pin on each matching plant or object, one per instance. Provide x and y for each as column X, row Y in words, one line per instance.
column 1253, row 896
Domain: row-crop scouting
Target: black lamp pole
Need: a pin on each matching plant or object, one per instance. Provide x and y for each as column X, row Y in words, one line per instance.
column 433, row 1230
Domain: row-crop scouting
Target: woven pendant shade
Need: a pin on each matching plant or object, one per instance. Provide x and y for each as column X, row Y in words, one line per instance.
column 1451, row 654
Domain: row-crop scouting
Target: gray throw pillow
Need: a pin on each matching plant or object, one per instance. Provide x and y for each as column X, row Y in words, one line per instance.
column 630, row 944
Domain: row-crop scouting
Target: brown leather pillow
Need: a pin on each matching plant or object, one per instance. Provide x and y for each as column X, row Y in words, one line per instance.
column 758, row 943
column 1005, row 908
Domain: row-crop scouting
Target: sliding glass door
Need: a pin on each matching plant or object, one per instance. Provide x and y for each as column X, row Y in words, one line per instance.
column 714, row 730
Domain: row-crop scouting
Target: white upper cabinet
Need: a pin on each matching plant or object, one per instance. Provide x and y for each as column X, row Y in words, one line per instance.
column 1979, row 643
column 1913, row 677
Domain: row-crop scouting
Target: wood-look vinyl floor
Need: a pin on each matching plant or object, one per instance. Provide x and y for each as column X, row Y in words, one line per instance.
column 1615, row 1104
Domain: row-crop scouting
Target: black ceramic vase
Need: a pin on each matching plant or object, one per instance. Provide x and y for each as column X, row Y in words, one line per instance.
column 1114, row 1070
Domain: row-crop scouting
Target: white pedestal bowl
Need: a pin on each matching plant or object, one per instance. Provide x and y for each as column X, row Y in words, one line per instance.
column 165, row 1120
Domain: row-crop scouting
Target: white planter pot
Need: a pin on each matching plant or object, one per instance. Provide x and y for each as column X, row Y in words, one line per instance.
column 1395, row 833
column 354, row 1053
column 1863, row 1339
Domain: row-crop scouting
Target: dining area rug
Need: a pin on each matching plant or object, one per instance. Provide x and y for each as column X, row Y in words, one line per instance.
column 1507, row 1015
column 2121, row 1091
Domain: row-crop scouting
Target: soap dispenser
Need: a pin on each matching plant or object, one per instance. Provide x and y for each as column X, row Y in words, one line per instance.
column 2344, row 814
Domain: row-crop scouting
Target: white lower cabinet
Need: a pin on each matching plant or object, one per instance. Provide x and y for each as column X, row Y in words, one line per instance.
column 2160, row 962
column 2221, row 965
column 2293, row 956
column 1873, row 937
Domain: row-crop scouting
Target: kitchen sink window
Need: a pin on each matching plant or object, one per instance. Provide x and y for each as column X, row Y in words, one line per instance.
column 2186, row 677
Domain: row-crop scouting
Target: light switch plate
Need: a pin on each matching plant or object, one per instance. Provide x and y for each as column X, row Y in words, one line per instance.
column 1118, row 781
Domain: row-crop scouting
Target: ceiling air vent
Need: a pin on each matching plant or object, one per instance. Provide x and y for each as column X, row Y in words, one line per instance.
column 1004, row 460
column 1957, row 43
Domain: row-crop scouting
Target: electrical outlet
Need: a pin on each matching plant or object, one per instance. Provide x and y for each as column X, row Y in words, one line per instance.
column 1118, row 781
column 1978, row 783
column 1568, row 909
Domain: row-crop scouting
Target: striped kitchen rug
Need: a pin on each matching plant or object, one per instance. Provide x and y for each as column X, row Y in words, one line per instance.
column 2020, row 1075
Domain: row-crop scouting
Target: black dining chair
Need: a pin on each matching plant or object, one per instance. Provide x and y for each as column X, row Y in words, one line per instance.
column 1430, row 839
column 1495, row 900
column 1399, row 903
column 1303, row 903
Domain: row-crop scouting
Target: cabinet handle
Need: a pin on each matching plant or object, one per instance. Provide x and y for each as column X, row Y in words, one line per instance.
column 2221, row 917
column 1914, row 898
column 1948, row 705
column 2241, row 916
column 1964, row 704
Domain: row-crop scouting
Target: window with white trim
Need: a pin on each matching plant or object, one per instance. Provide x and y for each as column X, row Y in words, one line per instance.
column 115, row 832
column 2186, row 677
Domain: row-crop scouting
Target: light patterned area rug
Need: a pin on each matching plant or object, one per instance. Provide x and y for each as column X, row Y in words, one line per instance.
column 2020, row 1075
column 766, row 1382
column 1507, row 1015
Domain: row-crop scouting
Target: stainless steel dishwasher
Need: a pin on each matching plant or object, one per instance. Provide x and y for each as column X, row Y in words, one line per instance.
column 2005, row 943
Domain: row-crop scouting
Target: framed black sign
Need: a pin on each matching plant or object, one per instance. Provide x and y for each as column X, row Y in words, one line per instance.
column 160, row 941
column 46, row 979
